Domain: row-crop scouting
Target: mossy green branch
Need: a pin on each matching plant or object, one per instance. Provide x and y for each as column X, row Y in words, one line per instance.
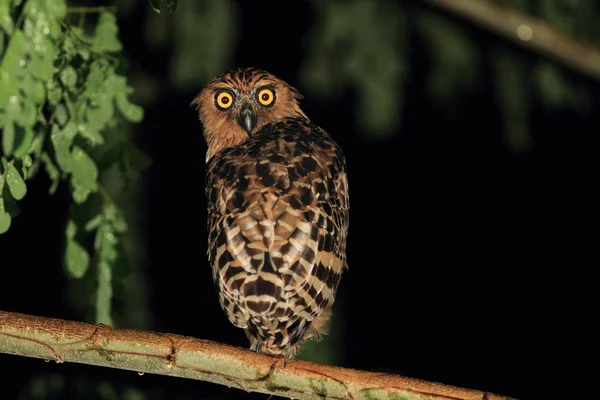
column 187, row 357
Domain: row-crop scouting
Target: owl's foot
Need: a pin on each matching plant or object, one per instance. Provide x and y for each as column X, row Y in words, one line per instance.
column 258, row 346
column 288, row 356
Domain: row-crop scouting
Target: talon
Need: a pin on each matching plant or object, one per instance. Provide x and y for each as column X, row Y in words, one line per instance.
column 258, row 346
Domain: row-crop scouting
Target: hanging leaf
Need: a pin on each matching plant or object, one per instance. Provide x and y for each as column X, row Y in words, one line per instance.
column 130, row 111
column 84, row 171
column 24, row 140
column 77, row 259
column 106, row 38
column 15, row 182
column 4, row 218
column 8, row 138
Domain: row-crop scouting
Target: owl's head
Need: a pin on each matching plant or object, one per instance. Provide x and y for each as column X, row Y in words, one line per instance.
column 234, row 106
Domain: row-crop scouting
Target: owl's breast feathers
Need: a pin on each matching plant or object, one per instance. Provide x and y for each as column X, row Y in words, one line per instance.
column 278, row 219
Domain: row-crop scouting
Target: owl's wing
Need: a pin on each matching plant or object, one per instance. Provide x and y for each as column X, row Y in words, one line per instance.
column 278, row 220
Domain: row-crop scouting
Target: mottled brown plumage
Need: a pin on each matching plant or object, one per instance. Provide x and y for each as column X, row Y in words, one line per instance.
column 277, row 209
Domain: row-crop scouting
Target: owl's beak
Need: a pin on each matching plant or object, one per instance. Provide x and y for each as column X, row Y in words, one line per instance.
column 247, row 119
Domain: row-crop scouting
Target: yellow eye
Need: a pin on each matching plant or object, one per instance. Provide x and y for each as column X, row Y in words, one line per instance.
column 224, row 100
column 266, row 97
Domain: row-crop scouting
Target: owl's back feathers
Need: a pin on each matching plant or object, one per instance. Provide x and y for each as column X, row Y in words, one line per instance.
column 278, row 220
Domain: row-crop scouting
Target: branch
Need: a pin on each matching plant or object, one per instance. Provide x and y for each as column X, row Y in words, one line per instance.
column 528, row 32
column 187, row 357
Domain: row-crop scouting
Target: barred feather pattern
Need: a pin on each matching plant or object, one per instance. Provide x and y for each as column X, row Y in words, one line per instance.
column 278, row 207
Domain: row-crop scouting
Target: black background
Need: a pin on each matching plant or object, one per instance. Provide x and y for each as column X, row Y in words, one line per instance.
column 446, row 249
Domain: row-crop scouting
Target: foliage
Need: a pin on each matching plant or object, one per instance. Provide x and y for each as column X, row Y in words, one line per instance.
column 60, row 90
column 362, row 45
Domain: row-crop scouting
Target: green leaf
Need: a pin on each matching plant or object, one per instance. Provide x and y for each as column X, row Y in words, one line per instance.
column 54, row 95
column 130, row 111
column 8, row 138
column 28, row 114
column 98, row 117
column 77, row 259
column 85, row 171
column 95, row 76
column 61, row 115
column 94, row 223
column 106, row 38
column 15, row 183
column 71, row 229
column 10, row 67
column 25, row 139
column 6, row 21
column 58, row 8
column 41, row 66
column 39, row 93
column 79, row 193
column 68, row 77
column 4, row 218
column 13, row 107
column 62, row 146
column 92, row 135
column 11, row 206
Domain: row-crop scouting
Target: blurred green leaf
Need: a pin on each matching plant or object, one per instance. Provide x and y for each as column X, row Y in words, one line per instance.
column 84, row 171
column 15, row 182
column 25, row 140
column 62, row 148
column 28, row 115
column 94, row 223
column 68, row 77
column 8, row 137
column 4, row 218
column 104, row 291
column 71, row 229
column 93, row 136
column 79, row 194
column 130, row 111
column 58, row 8
column 77, row 259
column 106, row 37
column 6, row 21
column 41, row 66
column 61, row 114
column 54, row 95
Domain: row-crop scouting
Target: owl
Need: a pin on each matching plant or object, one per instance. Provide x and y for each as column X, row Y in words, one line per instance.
column 278, row 210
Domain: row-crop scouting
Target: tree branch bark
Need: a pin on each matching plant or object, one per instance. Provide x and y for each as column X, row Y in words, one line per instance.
column 187, row 357
column 528, row 32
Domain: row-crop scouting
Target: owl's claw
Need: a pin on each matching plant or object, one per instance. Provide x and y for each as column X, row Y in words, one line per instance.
column 288, row 356
column 258, row 346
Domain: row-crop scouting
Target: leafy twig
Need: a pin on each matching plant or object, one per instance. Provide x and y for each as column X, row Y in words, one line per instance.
column 78, row 41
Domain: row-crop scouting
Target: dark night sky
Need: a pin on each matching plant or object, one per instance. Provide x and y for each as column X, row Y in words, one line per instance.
column 444, row 248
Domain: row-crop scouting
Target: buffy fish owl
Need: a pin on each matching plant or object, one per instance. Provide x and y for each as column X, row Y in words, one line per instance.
column 278, row 209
